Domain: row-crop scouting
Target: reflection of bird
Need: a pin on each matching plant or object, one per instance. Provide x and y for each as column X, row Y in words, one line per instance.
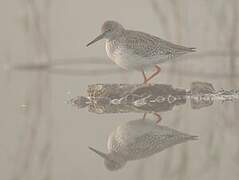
column 139, row 139
column 137, row 50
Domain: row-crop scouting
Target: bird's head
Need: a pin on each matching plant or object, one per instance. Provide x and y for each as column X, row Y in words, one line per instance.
column 111, row 163
column 109, row 30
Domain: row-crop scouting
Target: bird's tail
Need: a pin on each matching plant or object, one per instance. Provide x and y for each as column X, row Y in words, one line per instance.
column 182, row 49
column 192, row 49
column 194, row 138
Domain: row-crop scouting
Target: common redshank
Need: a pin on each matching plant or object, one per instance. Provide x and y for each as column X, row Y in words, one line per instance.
column 135, row 50
column 139, row 139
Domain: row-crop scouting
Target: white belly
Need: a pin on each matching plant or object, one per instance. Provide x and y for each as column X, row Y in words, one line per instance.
column 126, row 59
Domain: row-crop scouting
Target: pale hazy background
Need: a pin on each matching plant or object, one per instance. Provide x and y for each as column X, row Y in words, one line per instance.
column 42, row 137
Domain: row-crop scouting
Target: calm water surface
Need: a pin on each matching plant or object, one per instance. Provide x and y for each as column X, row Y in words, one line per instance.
column 44, row 137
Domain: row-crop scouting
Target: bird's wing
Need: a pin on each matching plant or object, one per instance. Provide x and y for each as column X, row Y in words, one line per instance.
column 146, row 145
column 155, row 141
column 146, row 45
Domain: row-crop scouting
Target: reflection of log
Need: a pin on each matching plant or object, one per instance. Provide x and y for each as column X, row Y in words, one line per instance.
column 201, row 102
column 203, row 94
column 102, row 96
column 200, row 94
column 119, row 90
column 121, row 98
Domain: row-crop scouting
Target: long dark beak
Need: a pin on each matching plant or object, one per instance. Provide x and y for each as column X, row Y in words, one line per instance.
column 96, row 39
column 103, row 155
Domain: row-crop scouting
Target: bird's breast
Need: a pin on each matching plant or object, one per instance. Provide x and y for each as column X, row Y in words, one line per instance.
column 122, row 56
column 112, row 49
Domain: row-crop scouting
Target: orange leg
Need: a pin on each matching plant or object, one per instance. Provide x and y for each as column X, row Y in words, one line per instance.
column 144, row 75
column 158, row 69
column 158, row 116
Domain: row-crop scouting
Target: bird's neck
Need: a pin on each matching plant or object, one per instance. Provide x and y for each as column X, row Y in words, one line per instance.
column 117, row 157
